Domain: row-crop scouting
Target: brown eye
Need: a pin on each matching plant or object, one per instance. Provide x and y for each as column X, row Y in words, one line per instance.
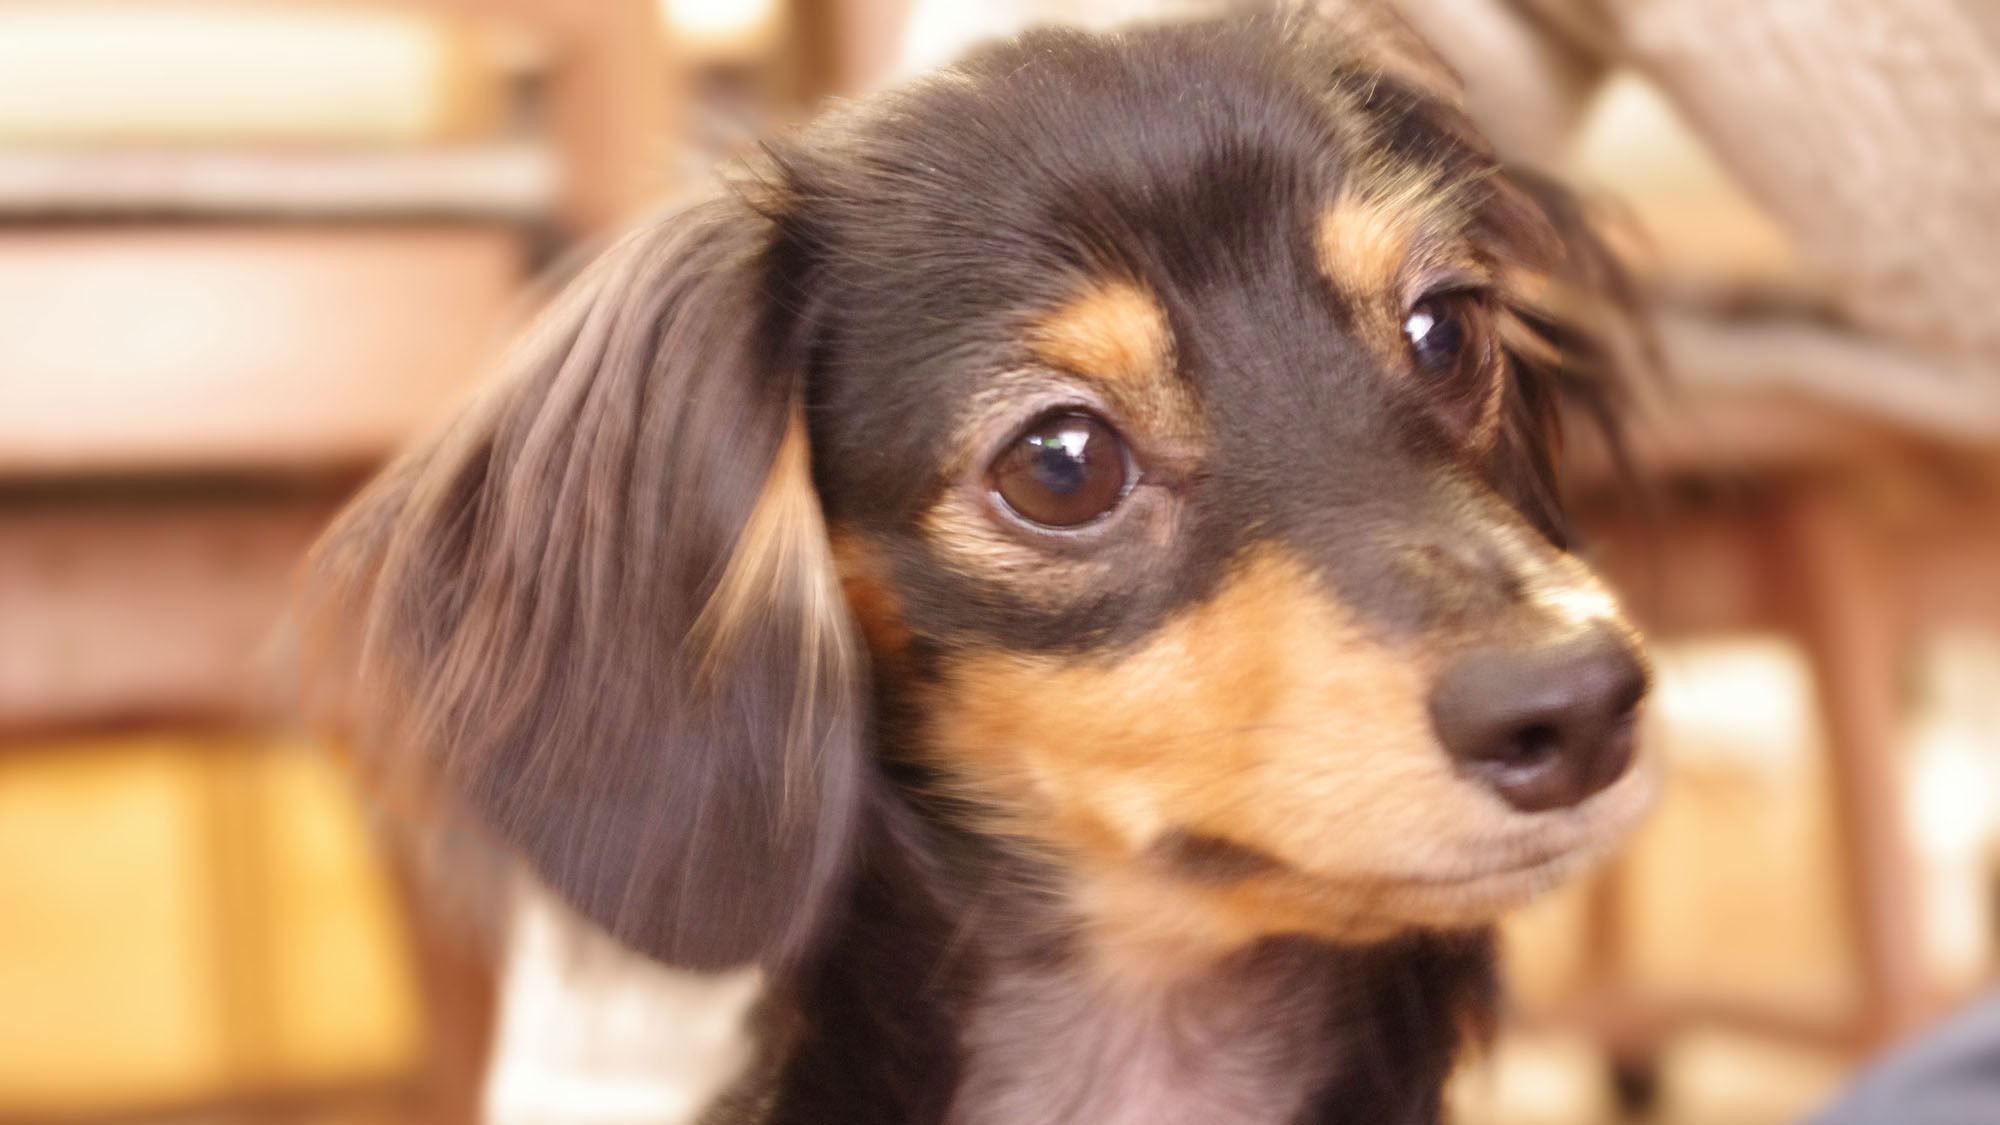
column 1437, row 333
column 1065, row 471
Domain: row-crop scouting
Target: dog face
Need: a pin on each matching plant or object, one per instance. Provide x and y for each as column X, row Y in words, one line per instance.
column 1149, row 438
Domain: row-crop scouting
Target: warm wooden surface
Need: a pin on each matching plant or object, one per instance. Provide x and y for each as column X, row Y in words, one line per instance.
column 510, row 181
column 1851, row 615
column 203, row 347
column 128, row 609
column 1854, row 561
column 616, row 98
column 194, row 918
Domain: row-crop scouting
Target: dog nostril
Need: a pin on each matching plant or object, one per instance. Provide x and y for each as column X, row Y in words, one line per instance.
column 1534, row 743
column 1546, row 727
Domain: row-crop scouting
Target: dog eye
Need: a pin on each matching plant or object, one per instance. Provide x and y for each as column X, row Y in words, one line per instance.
column 1064, row 471
column 1437, row 333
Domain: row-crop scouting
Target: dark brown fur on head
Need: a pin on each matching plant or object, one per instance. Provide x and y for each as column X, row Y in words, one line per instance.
column 709, row 611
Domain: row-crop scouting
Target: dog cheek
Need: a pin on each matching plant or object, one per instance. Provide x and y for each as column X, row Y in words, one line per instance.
column 1265, row 718
column 871, row 599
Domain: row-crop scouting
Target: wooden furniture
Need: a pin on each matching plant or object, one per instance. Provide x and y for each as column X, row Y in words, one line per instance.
column 1779, row 512
column 204, row 346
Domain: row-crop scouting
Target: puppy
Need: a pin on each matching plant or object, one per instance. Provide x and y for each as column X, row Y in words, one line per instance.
column 1060, row 568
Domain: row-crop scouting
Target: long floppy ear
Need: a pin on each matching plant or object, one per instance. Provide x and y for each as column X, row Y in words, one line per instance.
column 1574, row 331
column 598, row 610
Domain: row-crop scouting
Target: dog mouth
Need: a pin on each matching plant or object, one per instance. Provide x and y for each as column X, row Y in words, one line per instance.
column 1432, row 882
column 1485, row 885
column 1479, row 880
column 1202, row 858
column 1555, row 861
column 1480, row 889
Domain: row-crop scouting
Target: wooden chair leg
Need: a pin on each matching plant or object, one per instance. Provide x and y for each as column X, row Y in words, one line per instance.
column 1849, row 613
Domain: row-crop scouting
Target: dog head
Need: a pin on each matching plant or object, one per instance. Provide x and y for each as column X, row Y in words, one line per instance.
column 1151, row 438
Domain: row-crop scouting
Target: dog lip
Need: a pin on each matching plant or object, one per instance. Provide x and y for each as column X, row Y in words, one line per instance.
column 1517, row 869
column 1538, row 863
column 1206, row 858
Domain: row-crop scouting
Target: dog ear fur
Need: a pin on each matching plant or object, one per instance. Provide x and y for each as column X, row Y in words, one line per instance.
column 598, row 611
column 1574, row 331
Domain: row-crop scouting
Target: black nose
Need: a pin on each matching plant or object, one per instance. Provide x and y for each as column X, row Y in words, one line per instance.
column 1544, row 727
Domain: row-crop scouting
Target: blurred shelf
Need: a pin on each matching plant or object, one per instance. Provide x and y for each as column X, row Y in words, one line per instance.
column 246, row 251
column 122, row 71
column 132, row 610
column 1765, row 396
column 514, row 181
column 240, row 347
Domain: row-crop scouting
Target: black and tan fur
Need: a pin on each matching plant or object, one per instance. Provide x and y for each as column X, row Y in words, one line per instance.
column 707, row 612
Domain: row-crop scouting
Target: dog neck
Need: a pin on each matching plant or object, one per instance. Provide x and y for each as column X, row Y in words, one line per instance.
column 957, row 990
column 1256, row 1038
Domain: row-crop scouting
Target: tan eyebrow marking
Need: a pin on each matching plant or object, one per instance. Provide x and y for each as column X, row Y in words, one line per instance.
column 1113, row 331
column 1364, row 240
column 1373, row 243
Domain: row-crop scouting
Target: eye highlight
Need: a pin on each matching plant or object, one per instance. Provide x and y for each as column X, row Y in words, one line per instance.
column 1064, row 471
column 1450, row 338
column 1438, row 330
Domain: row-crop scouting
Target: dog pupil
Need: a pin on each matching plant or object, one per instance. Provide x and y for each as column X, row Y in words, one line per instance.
column 1435, row 335
column 1060, row 468
column 1064, row 472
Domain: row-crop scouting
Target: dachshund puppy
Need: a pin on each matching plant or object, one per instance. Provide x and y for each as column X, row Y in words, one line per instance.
column 1060, row 568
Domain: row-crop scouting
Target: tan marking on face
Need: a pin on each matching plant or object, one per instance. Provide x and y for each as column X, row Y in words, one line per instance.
column 1270, row 718
column 1392, row 225
column 864, row 581
column 1364, row 241
column 1375, row 246
column 1114, row 331
column 1370, row 243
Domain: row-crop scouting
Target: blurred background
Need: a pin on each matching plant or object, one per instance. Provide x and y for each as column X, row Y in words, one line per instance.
column 246, row 250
